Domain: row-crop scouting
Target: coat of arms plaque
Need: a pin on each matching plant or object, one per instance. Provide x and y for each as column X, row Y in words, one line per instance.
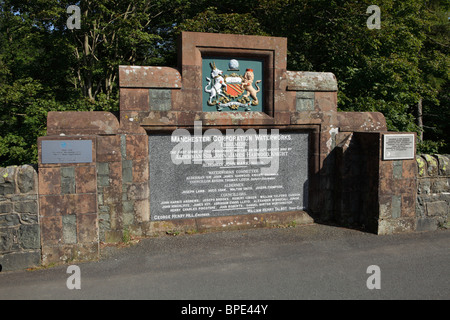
column 232, row 84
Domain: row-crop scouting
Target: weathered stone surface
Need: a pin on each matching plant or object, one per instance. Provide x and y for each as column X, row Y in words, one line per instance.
column 70, row 253
column 19, row 221
column 108, row 148
column 85, row 179
column 81, row 123
column 433, row 192
column 20, row 260
column 432, row 165
column 304, row 101
column 421, row 165
column 68, row 180
column 49, row 181
column 361, row 122
column 437, row 208
column 311, row 81
column 444, row 164
column 426, row 224
column 29, row 236
column 392, row 226
column 69, row 228
column 8, row 220
column 6, row 207
column 134, row 99
column 26, row 179
column 26, row 207
column 88, row 228
column 440, row 185
column 160, row 99
column 8, row 180
column 149, row 77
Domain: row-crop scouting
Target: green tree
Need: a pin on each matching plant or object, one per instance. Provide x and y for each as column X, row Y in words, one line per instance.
column 395, row 70
column 389, row 70
column 44, row 66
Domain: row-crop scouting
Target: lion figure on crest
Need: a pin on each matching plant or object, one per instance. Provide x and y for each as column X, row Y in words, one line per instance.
column 247, row 85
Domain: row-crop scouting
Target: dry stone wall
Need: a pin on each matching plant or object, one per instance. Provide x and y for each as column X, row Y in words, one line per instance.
column 20, row 245
column 433, row 192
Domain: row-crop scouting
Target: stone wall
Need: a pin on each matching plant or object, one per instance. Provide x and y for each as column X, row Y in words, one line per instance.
column 68, row 207
column 433, row 192
column 371, row 193
column 20, row 245
column 112, row 198
column 84, row 204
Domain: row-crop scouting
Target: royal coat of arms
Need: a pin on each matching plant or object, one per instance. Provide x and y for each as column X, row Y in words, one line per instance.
column 234, row 91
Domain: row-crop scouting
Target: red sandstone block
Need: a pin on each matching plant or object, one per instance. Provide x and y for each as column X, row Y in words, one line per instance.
column 191, row 41
column 134, row 99
column 361, row 121
column 326, row 101
column 192, row 76
column 87, row 228
column 385, row 206
column 130, row 122
column 86, row 179
column 405, row 186
column 140, row 170
column 50, row 205
column 284, row 101
column 282, row 118
column 57, row 205
column 137, row 146
column 409, row 169
column 115, row 177
column 142, row 210
column 160, row 118
column 279, row 81
column 409, row 205
column 187, row 99
column 386, row 169
column 49, row 181
column 306, row 117
column 81, row 122
column 188, row 118
column 386, row 186
column 108, row 148
column 85, row 203
column 138, row 191
column 311, row 81
column 112, row 195
column 69, row 253
column 149, row 77
column 51, row 230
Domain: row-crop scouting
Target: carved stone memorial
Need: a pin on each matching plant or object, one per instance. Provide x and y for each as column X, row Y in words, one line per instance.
column 227, row 138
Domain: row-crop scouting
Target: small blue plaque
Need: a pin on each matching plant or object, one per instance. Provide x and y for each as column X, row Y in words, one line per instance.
column 66, row 151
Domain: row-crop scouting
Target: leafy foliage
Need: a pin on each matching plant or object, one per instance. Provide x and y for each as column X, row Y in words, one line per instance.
column 44, row 66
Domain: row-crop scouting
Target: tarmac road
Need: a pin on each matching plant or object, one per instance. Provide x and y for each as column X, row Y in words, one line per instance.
column 303, row 262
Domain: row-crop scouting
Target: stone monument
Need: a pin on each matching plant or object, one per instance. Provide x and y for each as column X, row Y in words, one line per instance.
column 228, row 139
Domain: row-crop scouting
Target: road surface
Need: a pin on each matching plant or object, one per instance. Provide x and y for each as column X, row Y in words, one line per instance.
column 303, row 262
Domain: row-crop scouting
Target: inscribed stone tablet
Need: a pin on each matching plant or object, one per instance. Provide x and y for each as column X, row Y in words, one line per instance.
column 232, row 185
column 398, row 147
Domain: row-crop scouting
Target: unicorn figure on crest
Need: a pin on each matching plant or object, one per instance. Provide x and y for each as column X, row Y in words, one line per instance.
column 219, row 82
